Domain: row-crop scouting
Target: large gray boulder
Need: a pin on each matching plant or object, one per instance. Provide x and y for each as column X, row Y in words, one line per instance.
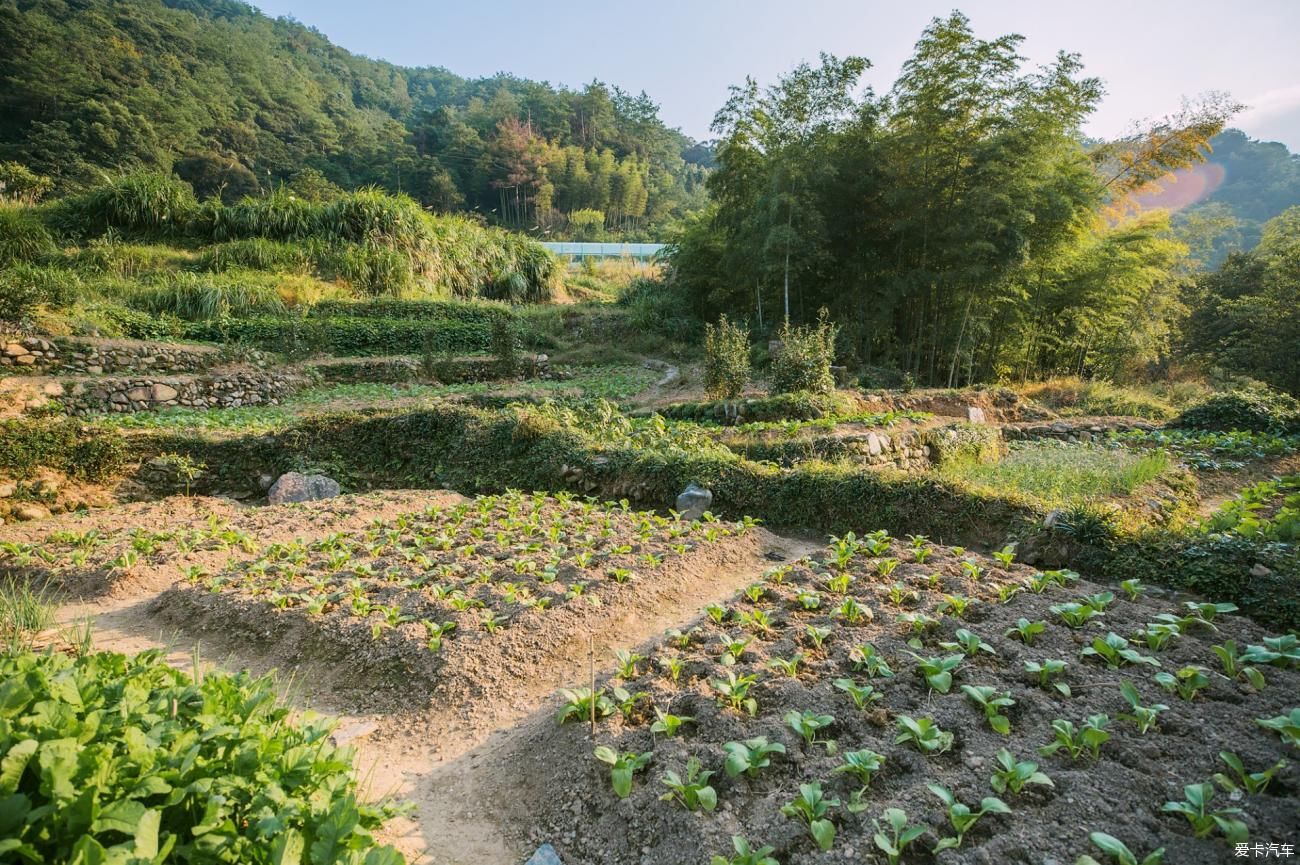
column 694, row 501
column 296, row 487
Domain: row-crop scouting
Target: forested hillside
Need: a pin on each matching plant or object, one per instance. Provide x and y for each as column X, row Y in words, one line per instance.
column 237, row 103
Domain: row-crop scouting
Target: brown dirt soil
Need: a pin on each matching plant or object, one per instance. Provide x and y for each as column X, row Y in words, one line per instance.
column 1217, row 487
column 569, row 801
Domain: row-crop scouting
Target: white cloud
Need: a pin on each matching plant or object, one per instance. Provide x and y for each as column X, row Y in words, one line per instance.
column 1270, row 104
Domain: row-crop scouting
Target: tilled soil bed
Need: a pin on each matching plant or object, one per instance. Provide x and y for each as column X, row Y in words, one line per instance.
column 465, row 608
column 908, row 612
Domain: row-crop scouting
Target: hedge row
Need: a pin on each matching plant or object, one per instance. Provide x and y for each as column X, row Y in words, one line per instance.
column 785, row 406
column 348, row 336
column 428, row 310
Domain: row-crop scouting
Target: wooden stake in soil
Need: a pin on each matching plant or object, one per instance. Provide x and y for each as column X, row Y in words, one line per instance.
column 591, row 658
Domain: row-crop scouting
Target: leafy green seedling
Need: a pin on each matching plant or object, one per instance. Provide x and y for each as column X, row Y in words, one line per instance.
column 1186, row 683
column 668, row 723
column 1286, row 726
column 1012, row 775
column 622, row 767
column 817, row 635
column 1006, row 555
column 1026, row 631
column 992, row 702
column 1118, row 851
column 900, row 835
column 1115, row 652
column 1237, row 665
column 733, row 649
column 969, row 643
column 734, row 692
column 627, row 662
column 1075, row 614
column 1133, row 588
column 693, row 791
column 1145, row 718
column 749, row 756
column 1077, row 742
column 746, row 854
column 1196, row 808
column 862, row 765
column 1251, row 782
column 861, row 695
column 790, row 667
column 924, row 733
column 813, row 809
column 962, row 816
column 578, row 703
column 938, row 671
column 867, row 658
column 808, row 724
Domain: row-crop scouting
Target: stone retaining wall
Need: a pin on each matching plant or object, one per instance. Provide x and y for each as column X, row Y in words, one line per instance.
column 41, row 355
column 1080, row 430
column 233, row 390
column 908, row 449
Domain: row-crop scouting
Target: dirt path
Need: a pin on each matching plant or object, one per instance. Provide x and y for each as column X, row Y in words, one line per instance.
column 448, row 763
column 1219, row 487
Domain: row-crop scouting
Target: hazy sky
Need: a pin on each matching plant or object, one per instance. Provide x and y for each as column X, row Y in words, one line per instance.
column 685, row 53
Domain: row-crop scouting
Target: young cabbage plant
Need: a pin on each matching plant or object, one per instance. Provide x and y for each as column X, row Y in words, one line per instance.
column 732, row 649
column 862, row 765
column 817, row 635
column 693, row 791
column 900, row 835
column 1048, row 672
column 969, row 643
column 1119, row 853
column 1026, row 631
column 861, row 695
column 1075, row 614
column 938, row 671
column 1077, row 742
column 1005, row 556
column 813, row 809
column 925, row 734
column 1287, row 726
column 867, row 658
column 790, row 666
column 746, row 854
column 668, row 723
column 1133, row 588
column 1145, row 718
column 622, row 767
column 1236, row 666
column 578, row 703
column 627, row 662
column 992, row 702
column 1196, row 808
column 962, row 816
column 808, row 724
column 1013, row 776
column 1252, row 782
column 1115, row 652
column 1186, row 682
column 749, row 756
column 734, row 692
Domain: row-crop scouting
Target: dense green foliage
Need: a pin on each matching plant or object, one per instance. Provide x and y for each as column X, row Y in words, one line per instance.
column 958, row 228
column 803, row 363
column 237, row 103
column 82, row 452
column 1246, row 411
column 353, row 337
column 110, row 759
column 1243, row 315
column 726, row 359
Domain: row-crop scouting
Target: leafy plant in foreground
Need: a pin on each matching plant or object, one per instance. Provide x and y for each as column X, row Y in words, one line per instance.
column 1144, row 718
column 1119, row 852
column 578, row 704
column 749, row 756
column 969, row 643
column 899, row 837
column 1047, row 673
column 1196, row 808
column 928, row 737
column 988, row 699
column 622, row 767
column 667, row 723
column 938, row 671
column 1251, row 782
column 861, row 695
column 734, row 692
column 693, row 791
column 746, row 854
column 1186, row 682
column 1013, row 775
column 807, row 724
column 963, row 817
column 1236, row 665
column 1077, row 742
column 813, row 808
column 1026, row 631
column 1287, row 726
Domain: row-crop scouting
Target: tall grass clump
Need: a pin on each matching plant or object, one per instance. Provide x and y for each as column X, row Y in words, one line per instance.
column 22, row 236
column 108, row 256
column 24, row 613
column 25, row 286
column 143, row 203
column 205, row 297
column 369, row 268
column 279, row 216
column 255, row 253
column 1100, row 397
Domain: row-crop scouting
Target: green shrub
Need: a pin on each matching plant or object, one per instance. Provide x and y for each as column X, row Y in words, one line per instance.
column 21, row 185
column 1253, row 410
column 142, row 203
column 22, row 236
column 468, row 312
column 89, row 453
column 804, row 361
column 357, row 337
column 24, row 286
column 115, row 759
column 778, row 407
column 280, row 216
column 505, row 346
column 370, row 268
column 105, row 256
column 657, row 307
column 121, row 321
column 726, row 359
